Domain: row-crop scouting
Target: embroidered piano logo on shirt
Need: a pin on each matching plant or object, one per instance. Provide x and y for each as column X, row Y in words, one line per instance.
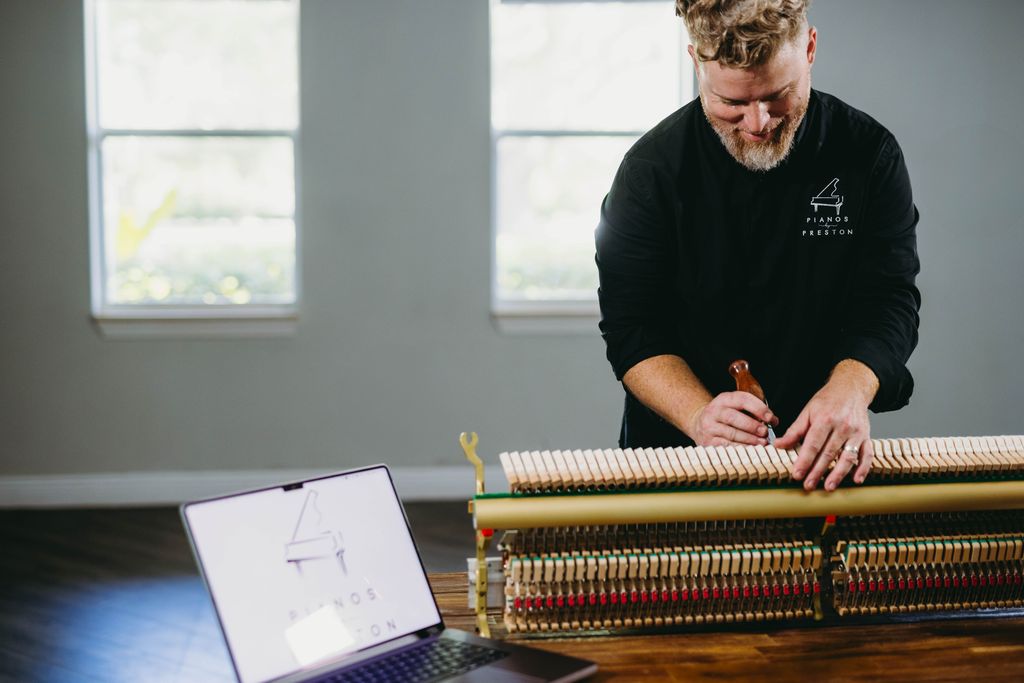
column 825, row 224
column 828, row 197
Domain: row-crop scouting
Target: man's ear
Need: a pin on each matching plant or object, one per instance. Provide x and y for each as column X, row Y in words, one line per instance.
column 812, row 44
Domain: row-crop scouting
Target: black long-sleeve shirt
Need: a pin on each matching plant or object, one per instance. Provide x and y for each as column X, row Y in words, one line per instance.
column 793, row 269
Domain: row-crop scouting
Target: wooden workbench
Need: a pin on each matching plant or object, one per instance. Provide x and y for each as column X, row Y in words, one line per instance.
column 963, row 649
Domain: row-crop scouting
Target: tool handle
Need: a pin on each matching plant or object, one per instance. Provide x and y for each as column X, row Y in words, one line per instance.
column 740, row 370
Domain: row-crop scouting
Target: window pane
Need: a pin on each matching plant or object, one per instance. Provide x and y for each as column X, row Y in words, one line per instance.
column 549, row 200
column 199, row 220
column 592, row 66
column 207, row 64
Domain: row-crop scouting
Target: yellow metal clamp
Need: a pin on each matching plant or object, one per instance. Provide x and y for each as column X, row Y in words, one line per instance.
column 468, row 441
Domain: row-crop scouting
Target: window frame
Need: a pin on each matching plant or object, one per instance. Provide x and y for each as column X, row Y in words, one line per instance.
column 554, row 315
column 178, row 320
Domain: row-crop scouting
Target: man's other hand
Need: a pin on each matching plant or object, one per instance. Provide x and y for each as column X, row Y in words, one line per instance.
column 727, row 420
column 834, row 426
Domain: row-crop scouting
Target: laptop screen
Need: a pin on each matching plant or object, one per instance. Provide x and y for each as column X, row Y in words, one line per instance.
column 304, row 575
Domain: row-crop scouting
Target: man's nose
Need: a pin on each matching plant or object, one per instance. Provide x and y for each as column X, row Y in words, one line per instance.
column 756, row 117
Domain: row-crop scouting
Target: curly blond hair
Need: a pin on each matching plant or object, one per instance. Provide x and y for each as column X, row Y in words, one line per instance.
column 741, row 33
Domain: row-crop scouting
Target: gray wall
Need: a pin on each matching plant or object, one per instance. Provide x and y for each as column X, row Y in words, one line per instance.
column 395, row 352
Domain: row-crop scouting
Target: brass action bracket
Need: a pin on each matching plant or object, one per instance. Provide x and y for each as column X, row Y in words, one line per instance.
column 468, row 441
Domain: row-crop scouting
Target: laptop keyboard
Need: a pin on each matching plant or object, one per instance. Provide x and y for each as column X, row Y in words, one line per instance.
column 432, row 661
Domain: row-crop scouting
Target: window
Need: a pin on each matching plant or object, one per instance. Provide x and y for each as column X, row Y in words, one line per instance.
column 193, row 122
column 574, row 84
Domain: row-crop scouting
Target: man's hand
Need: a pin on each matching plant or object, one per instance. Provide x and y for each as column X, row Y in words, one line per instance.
column 834, row 425
column 726, row 420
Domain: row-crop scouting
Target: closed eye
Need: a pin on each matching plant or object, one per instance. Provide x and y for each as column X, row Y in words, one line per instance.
column 773, row 97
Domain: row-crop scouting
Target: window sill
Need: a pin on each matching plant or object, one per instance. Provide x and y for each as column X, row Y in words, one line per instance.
column 547, row 317
column 153, row 322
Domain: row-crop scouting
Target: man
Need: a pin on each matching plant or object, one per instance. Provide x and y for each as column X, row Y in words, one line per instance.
column 765, row 221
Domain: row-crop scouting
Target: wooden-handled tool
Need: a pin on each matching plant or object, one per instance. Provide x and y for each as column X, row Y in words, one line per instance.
column 740, row 370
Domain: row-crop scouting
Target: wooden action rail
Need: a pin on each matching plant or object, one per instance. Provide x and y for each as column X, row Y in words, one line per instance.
column 608, row 539
column 686, row 536
column 503, row 511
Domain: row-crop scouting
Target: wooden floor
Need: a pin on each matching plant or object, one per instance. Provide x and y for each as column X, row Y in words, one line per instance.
column 114, row 595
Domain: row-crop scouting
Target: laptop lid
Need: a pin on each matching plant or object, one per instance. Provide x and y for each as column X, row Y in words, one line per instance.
column 312, row 573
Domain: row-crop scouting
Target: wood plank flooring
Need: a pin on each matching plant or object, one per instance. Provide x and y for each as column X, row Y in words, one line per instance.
column 114, row 595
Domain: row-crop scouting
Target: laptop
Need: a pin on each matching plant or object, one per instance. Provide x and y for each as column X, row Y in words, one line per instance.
column 321, row 580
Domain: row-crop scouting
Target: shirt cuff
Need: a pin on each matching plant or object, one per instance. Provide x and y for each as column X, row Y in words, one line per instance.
column 626, row 349
column 895, row 383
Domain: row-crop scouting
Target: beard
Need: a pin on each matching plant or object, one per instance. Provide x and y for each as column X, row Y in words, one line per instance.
column 759, row 155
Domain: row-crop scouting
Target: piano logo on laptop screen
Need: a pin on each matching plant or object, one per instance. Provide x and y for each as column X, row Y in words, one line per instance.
column 313, row 539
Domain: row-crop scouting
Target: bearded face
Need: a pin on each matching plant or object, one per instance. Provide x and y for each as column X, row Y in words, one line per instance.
column 774, row 143
column 757, row 111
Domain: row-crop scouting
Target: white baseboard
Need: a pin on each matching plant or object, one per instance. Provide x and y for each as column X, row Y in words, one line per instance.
column 123, row 489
